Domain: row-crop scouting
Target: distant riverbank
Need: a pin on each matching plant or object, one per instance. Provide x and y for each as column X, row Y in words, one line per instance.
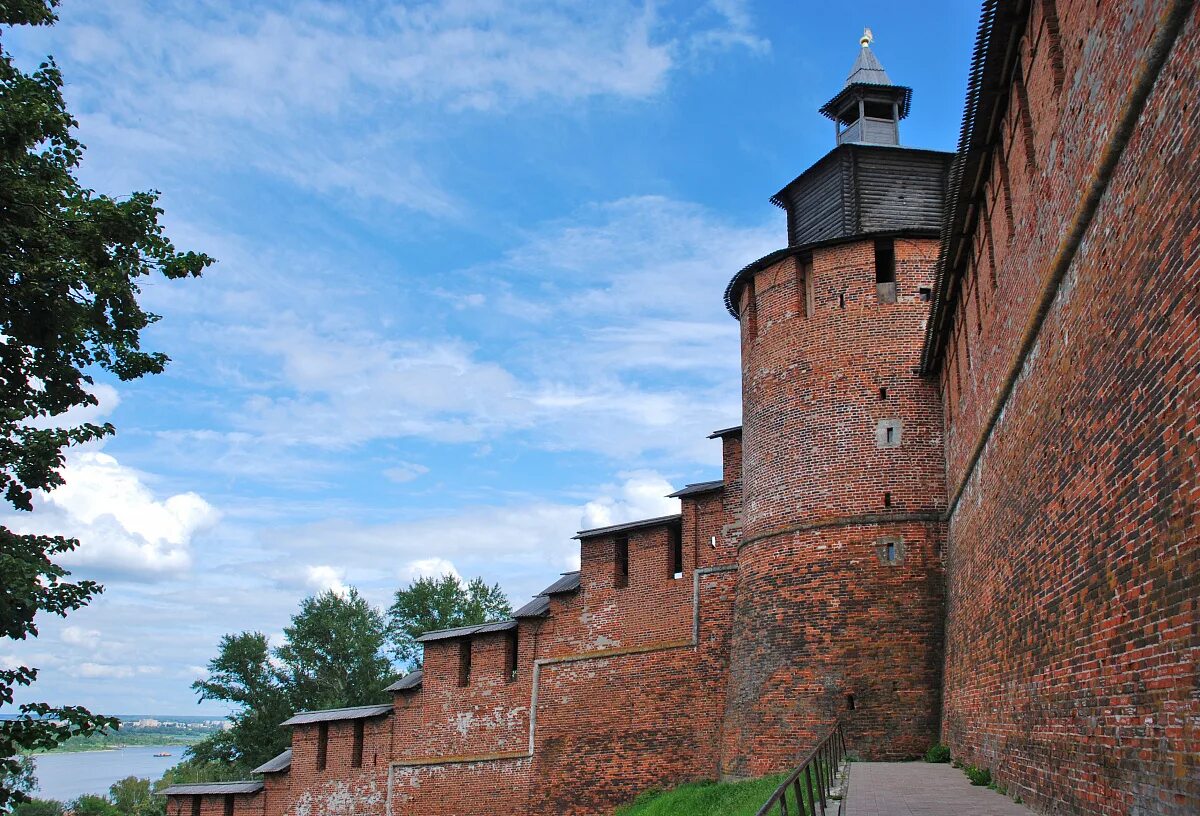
column 117, row 741
column 67, row 775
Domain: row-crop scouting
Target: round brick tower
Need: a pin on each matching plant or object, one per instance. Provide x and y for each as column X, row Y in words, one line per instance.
column 839, row 604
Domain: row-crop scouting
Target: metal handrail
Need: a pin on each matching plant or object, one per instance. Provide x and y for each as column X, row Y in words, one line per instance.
column 815, row 775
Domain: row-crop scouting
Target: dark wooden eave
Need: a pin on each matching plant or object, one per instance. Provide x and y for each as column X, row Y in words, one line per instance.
column 1001, row 25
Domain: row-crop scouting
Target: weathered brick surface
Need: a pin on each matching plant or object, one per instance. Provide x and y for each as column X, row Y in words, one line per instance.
column 820, row 615
column 1074, row 570
column 243, row 804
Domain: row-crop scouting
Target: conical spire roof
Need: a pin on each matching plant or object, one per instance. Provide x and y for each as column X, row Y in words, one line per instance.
column 867, row 68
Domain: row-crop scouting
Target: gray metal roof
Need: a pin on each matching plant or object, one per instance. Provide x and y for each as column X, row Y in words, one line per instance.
column 697, row 488
column 867, row 77
column 408, row 682
column 279, row 763
column 569, row 582
column 632, row 525
column 723, row 432
column 331, row 714
column 467, row 631
column 534, row 609
column 867, row 69
column 901, row 94
column 213, row 788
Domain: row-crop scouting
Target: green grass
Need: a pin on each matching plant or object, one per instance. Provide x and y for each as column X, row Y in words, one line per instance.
column 706, row 799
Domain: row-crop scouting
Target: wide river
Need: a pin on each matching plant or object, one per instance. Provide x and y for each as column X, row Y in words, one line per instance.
column 65, row 776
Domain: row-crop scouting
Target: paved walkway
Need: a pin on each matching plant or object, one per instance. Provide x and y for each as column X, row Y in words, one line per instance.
column 921, row 789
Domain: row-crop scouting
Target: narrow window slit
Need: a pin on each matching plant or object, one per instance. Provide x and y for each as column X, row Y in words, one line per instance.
column 510, row 663
column 322, row 745
column 621, row 562
column 229, row 804
column 356, row 754
column 675, row 546
column 887, row 499
column 849, row 702
column 195, row 806
column 885, row 270
column 464, row 662
column 883, row 393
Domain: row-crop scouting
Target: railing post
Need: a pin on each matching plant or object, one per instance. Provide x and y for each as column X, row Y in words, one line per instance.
column 821, row 788
column 812, row 799
column 799, row 796
column 829, row 760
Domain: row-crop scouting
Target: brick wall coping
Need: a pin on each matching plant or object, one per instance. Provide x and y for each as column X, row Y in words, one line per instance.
column 696, row 489
column 408, row 682
column 467, row 631
column 632, row 525
column 213, row 788
column 330, row 714
column 276, row 764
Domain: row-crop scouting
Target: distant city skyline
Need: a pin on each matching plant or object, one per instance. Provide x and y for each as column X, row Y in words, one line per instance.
column 468, row 298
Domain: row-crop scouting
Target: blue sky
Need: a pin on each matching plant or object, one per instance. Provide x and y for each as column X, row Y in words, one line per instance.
column 468, row 298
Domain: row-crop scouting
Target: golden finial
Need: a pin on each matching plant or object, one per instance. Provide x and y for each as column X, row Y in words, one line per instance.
column 867, row 38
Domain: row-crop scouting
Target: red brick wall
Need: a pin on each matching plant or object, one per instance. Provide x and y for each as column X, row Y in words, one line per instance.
column 1073, row 557
column 819, row 616
column 339, row 788
column 244, row 804
column 627, row 700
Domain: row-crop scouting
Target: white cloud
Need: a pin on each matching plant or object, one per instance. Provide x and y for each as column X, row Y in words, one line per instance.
column 619, row 358
column 228, row 83
column 522, row 545
column 122, row 527
column 115, row 671
column 429, row 568
column 78, row 636
column 325, row 578
column 107, row 400
column 405, row 472
column 642, row 495
column 88, row 669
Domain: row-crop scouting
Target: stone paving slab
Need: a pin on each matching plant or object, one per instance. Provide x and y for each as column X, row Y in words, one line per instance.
column 921, row 789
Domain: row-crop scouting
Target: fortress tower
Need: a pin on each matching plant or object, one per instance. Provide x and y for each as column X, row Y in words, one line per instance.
column 839, row 598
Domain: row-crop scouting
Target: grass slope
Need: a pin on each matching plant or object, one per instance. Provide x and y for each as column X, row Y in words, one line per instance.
column 706, row 799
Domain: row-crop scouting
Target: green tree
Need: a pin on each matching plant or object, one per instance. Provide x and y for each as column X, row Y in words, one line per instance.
column 335, row 653
column 132, row 797
column 91, row 804
column 71, row 260
column 38, row 807
column 333, row 656
column 242, row 674
column 439, row 603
